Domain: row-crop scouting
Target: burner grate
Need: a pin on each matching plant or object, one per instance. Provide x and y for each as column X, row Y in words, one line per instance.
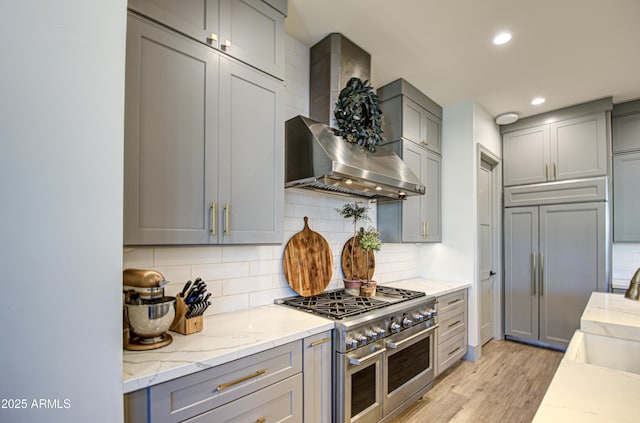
column 338, row 305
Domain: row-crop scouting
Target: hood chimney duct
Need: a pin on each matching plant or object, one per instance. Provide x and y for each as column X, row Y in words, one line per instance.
column 334, row 60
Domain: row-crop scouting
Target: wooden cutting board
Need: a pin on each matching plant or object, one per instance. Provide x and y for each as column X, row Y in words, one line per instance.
column 359, row 270
column 308, row 263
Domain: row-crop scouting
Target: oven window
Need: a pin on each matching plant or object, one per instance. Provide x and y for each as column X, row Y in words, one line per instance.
column 363, row 389
column 404, row 365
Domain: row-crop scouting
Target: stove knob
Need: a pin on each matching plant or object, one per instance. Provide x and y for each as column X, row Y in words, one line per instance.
column 419, row 317
column 394, row 327
column 381, row 332
column 434, row 313
column 352, row 344
column 372, row 336
column 428, row 314
column 406, row 323
column 362, row 341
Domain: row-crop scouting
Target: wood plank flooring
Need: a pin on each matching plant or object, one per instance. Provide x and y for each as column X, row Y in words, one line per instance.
column 506, row 385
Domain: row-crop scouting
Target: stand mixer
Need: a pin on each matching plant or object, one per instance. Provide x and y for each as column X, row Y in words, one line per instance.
column 148, row 313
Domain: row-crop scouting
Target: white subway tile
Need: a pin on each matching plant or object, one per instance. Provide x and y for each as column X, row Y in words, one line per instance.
column 228, row 303
column 137, row 257
column 187, row 255
column 246, row 285
column 221, row 270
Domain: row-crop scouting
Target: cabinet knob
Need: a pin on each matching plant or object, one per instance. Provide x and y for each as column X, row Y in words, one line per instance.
column 212, row 38
column 226, row 45
column 425, row 142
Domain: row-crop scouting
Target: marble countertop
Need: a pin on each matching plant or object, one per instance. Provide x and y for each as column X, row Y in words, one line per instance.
column 225, row 337
column 429, row 286
column 612, row 315
column 584, row 392
column 230, row 336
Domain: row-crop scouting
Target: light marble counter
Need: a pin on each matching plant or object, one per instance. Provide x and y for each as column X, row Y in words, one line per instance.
column 612, row 315
column 584, row 392
column 429, row 286
column 225, row 337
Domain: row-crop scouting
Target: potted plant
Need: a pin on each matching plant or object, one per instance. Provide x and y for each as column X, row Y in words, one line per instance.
column 355, row 213
column 369, row 242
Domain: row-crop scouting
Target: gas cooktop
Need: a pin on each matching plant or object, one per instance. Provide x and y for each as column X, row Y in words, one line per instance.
column 337, row 304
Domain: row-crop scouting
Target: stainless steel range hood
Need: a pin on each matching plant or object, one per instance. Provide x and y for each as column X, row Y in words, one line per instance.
column 316, row 158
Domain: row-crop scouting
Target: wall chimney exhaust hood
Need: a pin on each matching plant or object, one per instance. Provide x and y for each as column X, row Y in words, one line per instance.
column 316, row 158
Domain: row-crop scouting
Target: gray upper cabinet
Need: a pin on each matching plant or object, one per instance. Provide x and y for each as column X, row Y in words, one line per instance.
column 567, row 149
column 418, row 218
column 626, row 168
column 411, row 115
column 171, row 137
column 251, row 168
column 249, row 30
column 203, row 144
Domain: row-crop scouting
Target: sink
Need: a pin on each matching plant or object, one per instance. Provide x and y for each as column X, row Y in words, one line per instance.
column 604, row 351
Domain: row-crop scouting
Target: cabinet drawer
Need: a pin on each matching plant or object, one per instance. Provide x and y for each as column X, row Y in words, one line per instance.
column 200, row 392
column 451, row 351
column 451, row 301
column 280, row 402
column 452, row 324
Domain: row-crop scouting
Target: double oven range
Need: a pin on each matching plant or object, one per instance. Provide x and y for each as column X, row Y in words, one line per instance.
column 384, row 350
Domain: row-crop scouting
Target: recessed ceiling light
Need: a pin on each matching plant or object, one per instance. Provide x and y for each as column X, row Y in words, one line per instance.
column 502, row 38
column 537, row 100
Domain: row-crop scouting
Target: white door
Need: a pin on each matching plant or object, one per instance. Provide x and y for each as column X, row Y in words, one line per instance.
column 485, row 230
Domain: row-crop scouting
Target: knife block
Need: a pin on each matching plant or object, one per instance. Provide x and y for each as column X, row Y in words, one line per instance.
column 183, row 325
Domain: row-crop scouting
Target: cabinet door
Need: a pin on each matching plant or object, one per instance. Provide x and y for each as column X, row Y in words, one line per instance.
column 433, row 137
column 251, row 155
column 414, row 208
column 626, row 201
column 195, row 18
column 579, row 147
column 626, row 133
column 521, row 291
column 433, row 198
column 316, row 355
column 526, row 156
column 572, row 266
column 413, row 121
column 253, row 32
column 171, row 121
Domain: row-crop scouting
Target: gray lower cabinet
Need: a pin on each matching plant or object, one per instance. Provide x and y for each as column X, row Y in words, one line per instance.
column 317, row 353
column 451, row 335
column 418, row 218
column 626, row 168
column 562, row 150
column 249, row 30
column 203, row 144
column 555, row 257
column 266, row 386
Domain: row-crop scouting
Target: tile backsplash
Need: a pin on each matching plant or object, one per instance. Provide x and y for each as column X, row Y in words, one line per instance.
column 240, row 277
column 626, row 260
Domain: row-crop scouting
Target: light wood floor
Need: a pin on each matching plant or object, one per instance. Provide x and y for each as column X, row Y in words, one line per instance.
column 506, row 385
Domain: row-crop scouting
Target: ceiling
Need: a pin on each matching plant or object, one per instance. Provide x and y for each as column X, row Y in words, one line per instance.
column 568, row 51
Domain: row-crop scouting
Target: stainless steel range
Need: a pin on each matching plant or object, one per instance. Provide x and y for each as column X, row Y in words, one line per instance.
column 384, row 349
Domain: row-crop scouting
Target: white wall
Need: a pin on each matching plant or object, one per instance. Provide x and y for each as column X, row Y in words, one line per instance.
column 465, row 126
column 61, row 125
column 247, row 276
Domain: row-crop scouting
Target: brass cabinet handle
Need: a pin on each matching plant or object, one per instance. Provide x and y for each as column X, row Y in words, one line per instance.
column 425, row 142
column 454, row 323
column 214, row 206
column 555, row 171
column 242, row 379
column 226, row 46
column 425, row 229
column 454, row 301
column 212, row 38
column 320, row 342
column 534, row 272
column 226, row 218
column 261, row 420
column 546, row 172
column 541, row 274
column 455, row 351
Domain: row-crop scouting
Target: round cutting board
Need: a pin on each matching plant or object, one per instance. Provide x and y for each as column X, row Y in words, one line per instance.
column 308, row 263
column 359, row 270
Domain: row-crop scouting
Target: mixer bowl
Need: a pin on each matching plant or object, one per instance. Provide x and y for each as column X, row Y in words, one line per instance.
column 153, row 319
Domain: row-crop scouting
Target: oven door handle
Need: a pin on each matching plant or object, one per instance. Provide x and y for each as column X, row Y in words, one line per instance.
column 359, row 361
column 394, row 345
